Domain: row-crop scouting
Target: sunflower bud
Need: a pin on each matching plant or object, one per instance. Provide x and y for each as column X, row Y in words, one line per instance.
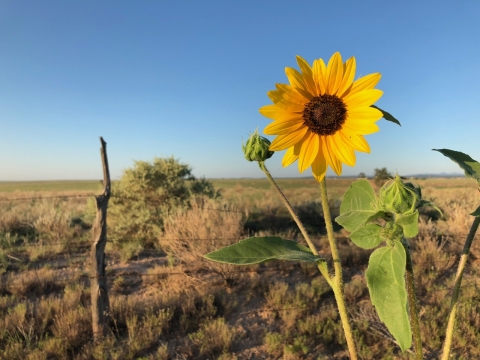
column 256, row 148
column 399, row 197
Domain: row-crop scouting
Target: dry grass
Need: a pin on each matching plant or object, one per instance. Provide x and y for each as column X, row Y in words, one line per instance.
column 205, row 227
column 199, row 230
column 170, row 303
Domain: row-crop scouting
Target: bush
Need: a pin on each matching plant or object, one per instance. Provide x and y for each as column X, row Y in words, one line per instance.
column 147, row 194
column 381, row 176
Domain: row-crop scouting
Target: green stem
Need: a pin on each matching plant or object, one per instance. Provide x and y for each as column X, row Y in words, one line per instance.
column 412, row 302
column 338, row 279
column 323, row 269
column 456, row 289
column 290, row 209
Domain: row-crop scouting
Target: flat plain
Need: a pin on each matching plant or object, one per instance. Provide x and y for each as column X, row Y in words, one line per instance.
column 168, row 302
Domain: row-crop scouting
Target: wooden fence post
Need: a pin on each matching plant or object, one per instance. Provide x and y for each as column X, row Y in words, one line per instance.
column 98, row 280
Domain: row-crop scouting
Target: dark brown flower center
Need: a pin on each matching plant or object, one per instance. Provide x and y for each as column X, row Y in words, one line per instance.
column 325, row 114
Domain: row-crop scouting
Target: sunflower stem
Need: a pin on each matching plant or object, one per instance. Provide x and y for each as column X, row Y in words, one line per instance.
column 337, row 283
column 412, row 302
column 456, row 289
column 311, row 245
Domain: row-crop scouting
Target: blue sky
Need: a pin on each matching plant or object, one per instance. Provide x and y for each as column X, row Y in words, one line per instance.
column 186, row 78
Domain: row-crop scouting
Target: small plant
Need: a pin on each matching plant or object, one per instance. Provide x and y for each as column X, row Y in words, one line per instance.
column 471, row 168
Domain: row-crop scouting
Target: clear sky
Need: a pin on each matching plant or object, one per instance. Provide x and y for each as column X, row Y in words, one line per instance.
column 186, row 78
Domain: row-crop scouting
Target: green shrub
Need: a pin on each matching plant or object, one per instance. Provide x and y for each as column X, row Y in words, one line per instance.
column 147, row 194
column 214, row 337
column 381, row 176
column 274, row 342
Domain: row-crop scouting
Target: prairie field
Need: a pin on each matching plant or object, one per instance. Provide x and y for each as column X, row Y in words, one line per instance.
column 168, row 302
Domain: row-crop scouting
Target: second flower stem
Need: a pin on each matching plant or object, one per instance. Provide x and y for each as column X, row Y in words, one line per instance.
column 456, row 289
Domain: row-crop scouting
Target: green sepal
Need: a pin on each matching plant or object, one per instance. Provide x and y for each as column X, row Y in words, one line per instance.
column 367, row 236
column 409, row 223
column 387, row 116
column 359, row 205
column 476, row 212
column 386, row 284
column 428, row 203
column 256, row 250
column 470, row 166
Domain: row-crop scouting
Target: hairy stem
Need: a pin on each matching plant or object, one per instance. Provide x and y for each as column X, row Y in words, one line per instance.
column 291, row 210
column 311, row 245
column 337, row 283
column 412, row 303
column 456, row 289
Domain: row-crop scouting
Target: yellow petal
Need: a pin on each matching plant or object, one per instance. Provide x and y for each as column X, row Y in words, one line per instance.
column 330, row 157
column 297, row 148
column 289, row 157
column 283, row 142
column 366, row 82
column 283, row 127
column 308, row 152
column 362, row 98
column 319, row 167
column 334, row 73
column 296, row 80
column 338, row 167
column 361, row 127
column 283, row 102
column 274, row 112
column 365, row 113
column 319, row 74
column 290, row 93
column 307, row 75
column 343, row 151
column 358, row 142
column 348, row 76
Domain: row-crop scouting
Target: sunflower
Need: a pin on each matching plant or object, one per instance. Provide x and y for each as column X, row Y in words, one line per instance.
column 322, row 115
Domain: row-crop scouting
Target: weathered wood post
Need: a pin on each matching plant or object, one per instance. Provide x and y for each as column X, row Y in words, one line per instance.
column 98, row 280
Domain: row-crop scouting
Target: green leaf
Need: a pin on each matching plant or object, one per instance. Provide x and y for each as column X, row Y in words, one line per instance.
column 259, row 249
column 367, row 237
column 387, row 116
column 469, row 165
column 409, row 224
column 358, row 206
column 386, row 283
column 476, row 212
